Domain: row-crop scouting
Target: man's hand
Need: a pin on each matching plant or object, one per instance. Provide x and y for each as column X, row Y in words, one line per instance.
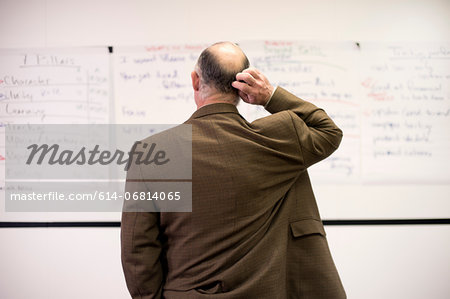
column 253, row 86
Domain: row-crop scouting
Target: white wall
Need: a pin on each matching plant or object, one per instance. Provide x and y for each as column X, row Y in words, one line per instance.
column 374, row 262
column 60, row 263
column 45, row 23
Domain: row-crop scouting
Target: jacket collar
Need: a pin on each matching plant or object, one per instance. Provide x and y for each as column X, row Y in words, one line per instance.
column 214, row 109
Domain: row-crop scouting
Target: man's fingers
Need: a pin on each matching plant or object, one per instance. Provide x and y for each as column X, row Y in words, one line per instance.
column 254, row 72
column 253, row 86
column 244, row 87
column 246, row 77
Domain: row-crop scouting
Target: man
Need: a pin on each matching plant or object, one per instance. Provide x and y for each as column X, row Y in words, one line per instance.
column 254, row 230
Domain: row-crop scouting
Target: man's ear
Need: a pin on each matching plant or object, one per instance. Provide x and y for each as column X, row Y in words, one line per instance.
column 195, row 80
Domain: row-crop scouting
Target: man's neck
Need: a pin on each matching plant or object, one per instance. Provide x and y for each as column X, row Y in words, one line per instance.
column 216, row 98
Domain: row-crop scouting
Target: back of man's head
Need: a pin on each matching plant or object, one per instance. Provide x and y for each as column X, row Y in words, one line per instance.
column 219, row 64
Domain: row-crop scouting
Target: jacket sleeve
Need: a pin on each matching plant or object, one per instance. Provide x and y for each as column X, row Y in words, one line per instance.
column 140, row 245
column 317, row 134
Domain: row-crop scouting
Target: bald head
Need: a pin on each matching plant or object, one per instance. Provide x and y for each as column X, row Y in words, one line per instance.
column 219, row 64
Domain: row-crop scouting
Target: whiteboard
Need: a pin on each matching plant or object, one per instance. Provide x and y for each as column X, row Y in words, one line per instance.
column 152, row 84
column 392, row 100
column 52, row 86
column 406, row 128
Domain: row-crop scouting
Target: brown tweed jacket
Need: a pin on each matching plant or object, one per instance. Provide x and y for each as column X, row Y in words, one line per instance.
column 254, row 230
